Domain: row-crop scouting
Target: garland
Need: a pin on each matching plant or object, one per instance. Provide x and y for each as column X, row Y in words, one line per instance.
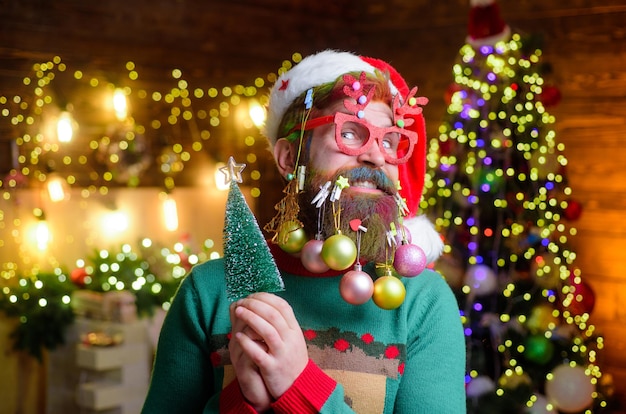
column 43, row 303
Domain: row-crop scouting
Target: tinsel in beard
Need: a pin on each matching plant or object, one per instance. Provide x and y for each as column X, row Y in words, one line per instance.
column 376, row 211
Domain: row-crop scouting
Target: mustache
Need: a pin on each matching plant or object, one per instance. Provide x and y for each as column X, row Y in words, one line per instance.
column 375, row 176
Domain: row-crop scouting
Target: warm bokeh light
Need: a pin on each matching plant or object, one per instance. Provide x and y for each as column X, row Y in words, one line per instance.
column 42, row 235
column 65, row 127
column 220, row 178
column 120, row 104
column 257, row 113
column 115, row 222
column 170, row 213
column 56, row 186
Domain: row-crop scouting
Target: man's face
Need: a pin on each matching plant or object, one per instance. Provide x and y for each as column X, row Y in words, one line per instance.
column 326, row 156
column 373, row 183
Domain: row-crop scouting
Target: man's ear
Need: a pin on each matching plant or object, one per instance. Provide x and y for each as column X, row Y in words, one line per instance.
column 285, row 156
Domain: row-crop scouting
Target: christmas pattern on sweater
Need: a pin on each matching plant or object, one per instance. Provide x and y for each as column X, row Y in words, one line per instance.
column 359, row 362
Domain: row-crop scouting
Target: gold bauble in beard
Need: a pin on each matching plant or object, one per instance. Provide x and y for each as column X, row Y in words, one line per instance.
column 339, row 252
column 389, row 292
column 291, row 236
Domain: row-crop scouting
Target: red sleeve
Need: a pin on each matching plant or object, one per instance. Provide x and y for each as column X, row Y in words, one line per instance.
column 232, row 400
column 308, row 393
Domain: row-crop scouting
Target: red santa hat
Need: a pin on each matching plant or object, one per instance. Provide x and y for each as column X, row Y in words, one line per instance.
column 327, row 66
column 486, row 26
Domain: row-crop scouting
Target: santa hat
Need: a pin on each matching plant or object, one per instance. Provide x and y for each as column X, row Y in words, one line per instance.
column 325, row 67
column 486, row 26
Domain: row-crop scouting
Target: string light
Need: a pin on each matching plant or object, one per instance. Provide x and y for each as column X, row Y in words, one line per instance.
column 42, row 235
column 120, row 105
column 65, row 127
column 257, row 113
column 114, row 147
column 56, row 187
column 170, row 213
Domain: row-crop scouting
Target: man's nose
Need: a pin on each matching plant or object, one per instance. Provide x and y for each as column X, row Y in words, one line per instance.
column 373, row 156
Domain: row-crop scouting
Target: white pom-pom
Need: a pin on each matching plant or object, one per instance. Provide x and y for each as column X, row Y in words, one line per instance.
column 424, row 235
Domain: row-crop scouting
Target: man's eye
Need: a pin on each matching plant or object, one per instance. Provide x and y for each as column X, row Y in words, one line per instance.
column 349, row 136
column 390, row 141
column 352, row 137
column 354, row 134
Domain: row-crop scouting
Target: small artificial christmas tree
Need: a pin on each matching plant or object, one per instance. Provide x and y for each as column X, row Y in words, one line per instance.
column 497, row 191
column 249, row 265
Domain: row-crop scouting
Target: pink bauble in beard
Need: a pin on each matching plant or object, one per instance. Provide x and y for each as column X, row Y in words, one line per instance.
column 311, row 256
column 356, row 287
column 409, row 260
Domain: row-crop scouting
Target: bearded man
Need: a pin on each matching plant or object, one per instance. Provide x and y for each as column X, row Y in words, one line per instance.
column 348, row 136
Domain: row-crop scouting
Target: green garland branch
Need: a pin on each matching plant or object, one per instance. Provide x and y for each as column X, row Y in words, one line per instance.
column 44, row 305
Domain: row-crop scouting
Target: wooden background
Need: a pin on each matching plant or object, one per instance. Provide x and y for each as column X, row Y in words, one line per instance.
column 234, row 41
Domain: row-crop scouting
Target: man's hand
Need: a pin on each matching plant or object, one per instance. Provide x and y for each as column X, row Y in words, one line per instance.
column 250, row 379
column 277, row 346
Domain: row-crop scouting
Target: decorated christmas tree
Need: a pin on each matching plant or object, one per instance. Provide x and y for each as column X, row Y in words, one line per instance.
column 498, row 192
column 249, row 265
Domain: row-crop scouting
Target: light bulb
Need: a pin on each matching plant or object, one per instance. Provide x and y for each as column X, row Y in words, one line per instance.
column 56, row 188
column 257, row 113
column 170, row 213
column 42, row 235
column 120, row 105
column 65, row 127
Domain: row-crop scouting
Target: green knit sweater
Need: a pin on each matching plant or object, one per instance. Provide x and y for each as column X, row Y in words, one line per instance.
column 362, row 358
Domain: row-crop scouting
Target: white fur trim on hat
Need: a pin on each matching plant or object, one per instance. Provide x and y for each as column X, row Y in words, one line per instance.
column 424, row 235
column 313, row 70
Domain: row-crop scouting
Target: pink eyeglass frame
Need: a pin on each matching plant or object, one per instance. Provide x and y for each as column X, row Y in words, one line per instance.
column 377, row 133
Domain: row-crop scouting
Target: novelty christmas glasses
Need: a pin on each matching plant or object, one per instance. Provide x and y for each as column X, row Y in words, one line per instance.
column 354, row 135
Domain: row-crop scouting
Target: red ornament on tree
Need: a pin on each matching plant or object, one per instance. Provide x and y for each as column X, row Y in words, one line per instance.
column 452, row 89
column 584, row 299
column 573, row 211
column 550, row 96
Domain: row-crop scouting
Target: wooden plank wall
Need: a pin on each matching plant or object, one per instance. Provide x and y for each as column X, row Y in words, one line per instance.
column 585, row 42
